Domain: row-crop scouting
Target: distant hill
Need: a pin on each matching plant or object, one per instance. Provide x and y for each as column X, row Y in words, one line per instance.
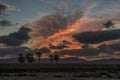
column 70, row 60
column 106, row 61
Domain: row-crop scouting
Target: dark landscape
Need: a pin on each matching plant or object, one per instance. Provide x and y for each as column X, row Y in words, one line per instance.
column 57, row 67
column 57, row 71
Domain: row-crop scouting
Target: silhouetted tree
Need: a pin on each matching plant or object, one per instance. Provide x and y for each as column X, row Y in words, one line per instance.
column 21, row 58
column 43, row 50
column 56, row 57
column 38, row 54
column 51, row 57
column 30, row 58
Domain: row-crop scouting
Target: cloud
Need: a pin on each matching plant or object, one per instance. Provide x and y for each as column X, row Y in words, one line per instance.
column 12, row 52
column 108, row 10
column 90, row 53
column 111, row 48
column 9, row 7
column 44, row 50
column 98, row 36
column 66, row 42
column 80, row 52
column 115, row 47
column 65, row 22
column 73, row 19
column 108, row 24
column 4, row 23
column 16, row 38
column 2, row 9
column 57, row 47
column 49, row 25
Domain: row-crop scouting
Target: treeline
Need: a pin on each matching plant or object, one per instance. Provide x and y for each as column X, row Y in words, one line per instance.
column 29, row 58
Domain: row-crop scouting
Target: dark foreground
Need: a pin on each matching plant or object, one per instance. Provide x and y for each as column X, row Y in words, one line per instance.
column 58, row 67
column 59, row 72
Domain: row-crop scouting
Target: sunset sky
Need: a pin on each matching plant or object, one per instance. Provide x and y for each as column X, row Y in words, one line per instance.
column 84, row 29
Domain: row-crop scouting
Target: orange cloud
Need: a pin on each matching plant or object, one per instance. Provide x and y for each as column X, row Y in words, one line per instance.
column 66, row 34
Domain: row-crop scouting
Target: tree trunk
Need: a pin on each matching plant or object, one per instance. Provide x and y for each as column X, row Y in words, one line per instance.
column 39, row 59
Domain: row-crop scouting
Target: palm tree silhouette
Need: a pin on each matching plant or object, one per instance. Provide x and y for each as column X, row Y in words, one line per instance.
column 38, row 54
column 30, row 58
column 21, row 58
column 56, row 57
column 51, row 58
column 41, row 51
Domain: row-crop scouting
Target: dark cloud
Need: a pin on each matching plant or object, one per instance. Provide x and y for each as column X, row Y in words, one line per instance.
column 115, row 47
column 11, row 52
column 98, row 36
column 66, row 42
column 85, row 46
column 50, row 24
column 108, row 24
column 80, row 52
column 44, row 50
column 111, row 48
column 57, row 47
column 4, row 23
column 16, row 38
column 2, row 9
column 88, row 51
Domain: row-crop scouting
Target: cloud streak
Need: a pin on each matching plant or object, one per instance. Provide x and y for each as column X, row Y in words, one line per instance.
column 5, row 23
column 10, row 7
column 4, row 7
column 12, row 52
column 98, row 36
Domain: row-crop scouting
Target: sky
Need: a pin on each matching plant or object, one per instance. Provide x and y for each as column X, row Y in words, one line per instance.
column 83, row 29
